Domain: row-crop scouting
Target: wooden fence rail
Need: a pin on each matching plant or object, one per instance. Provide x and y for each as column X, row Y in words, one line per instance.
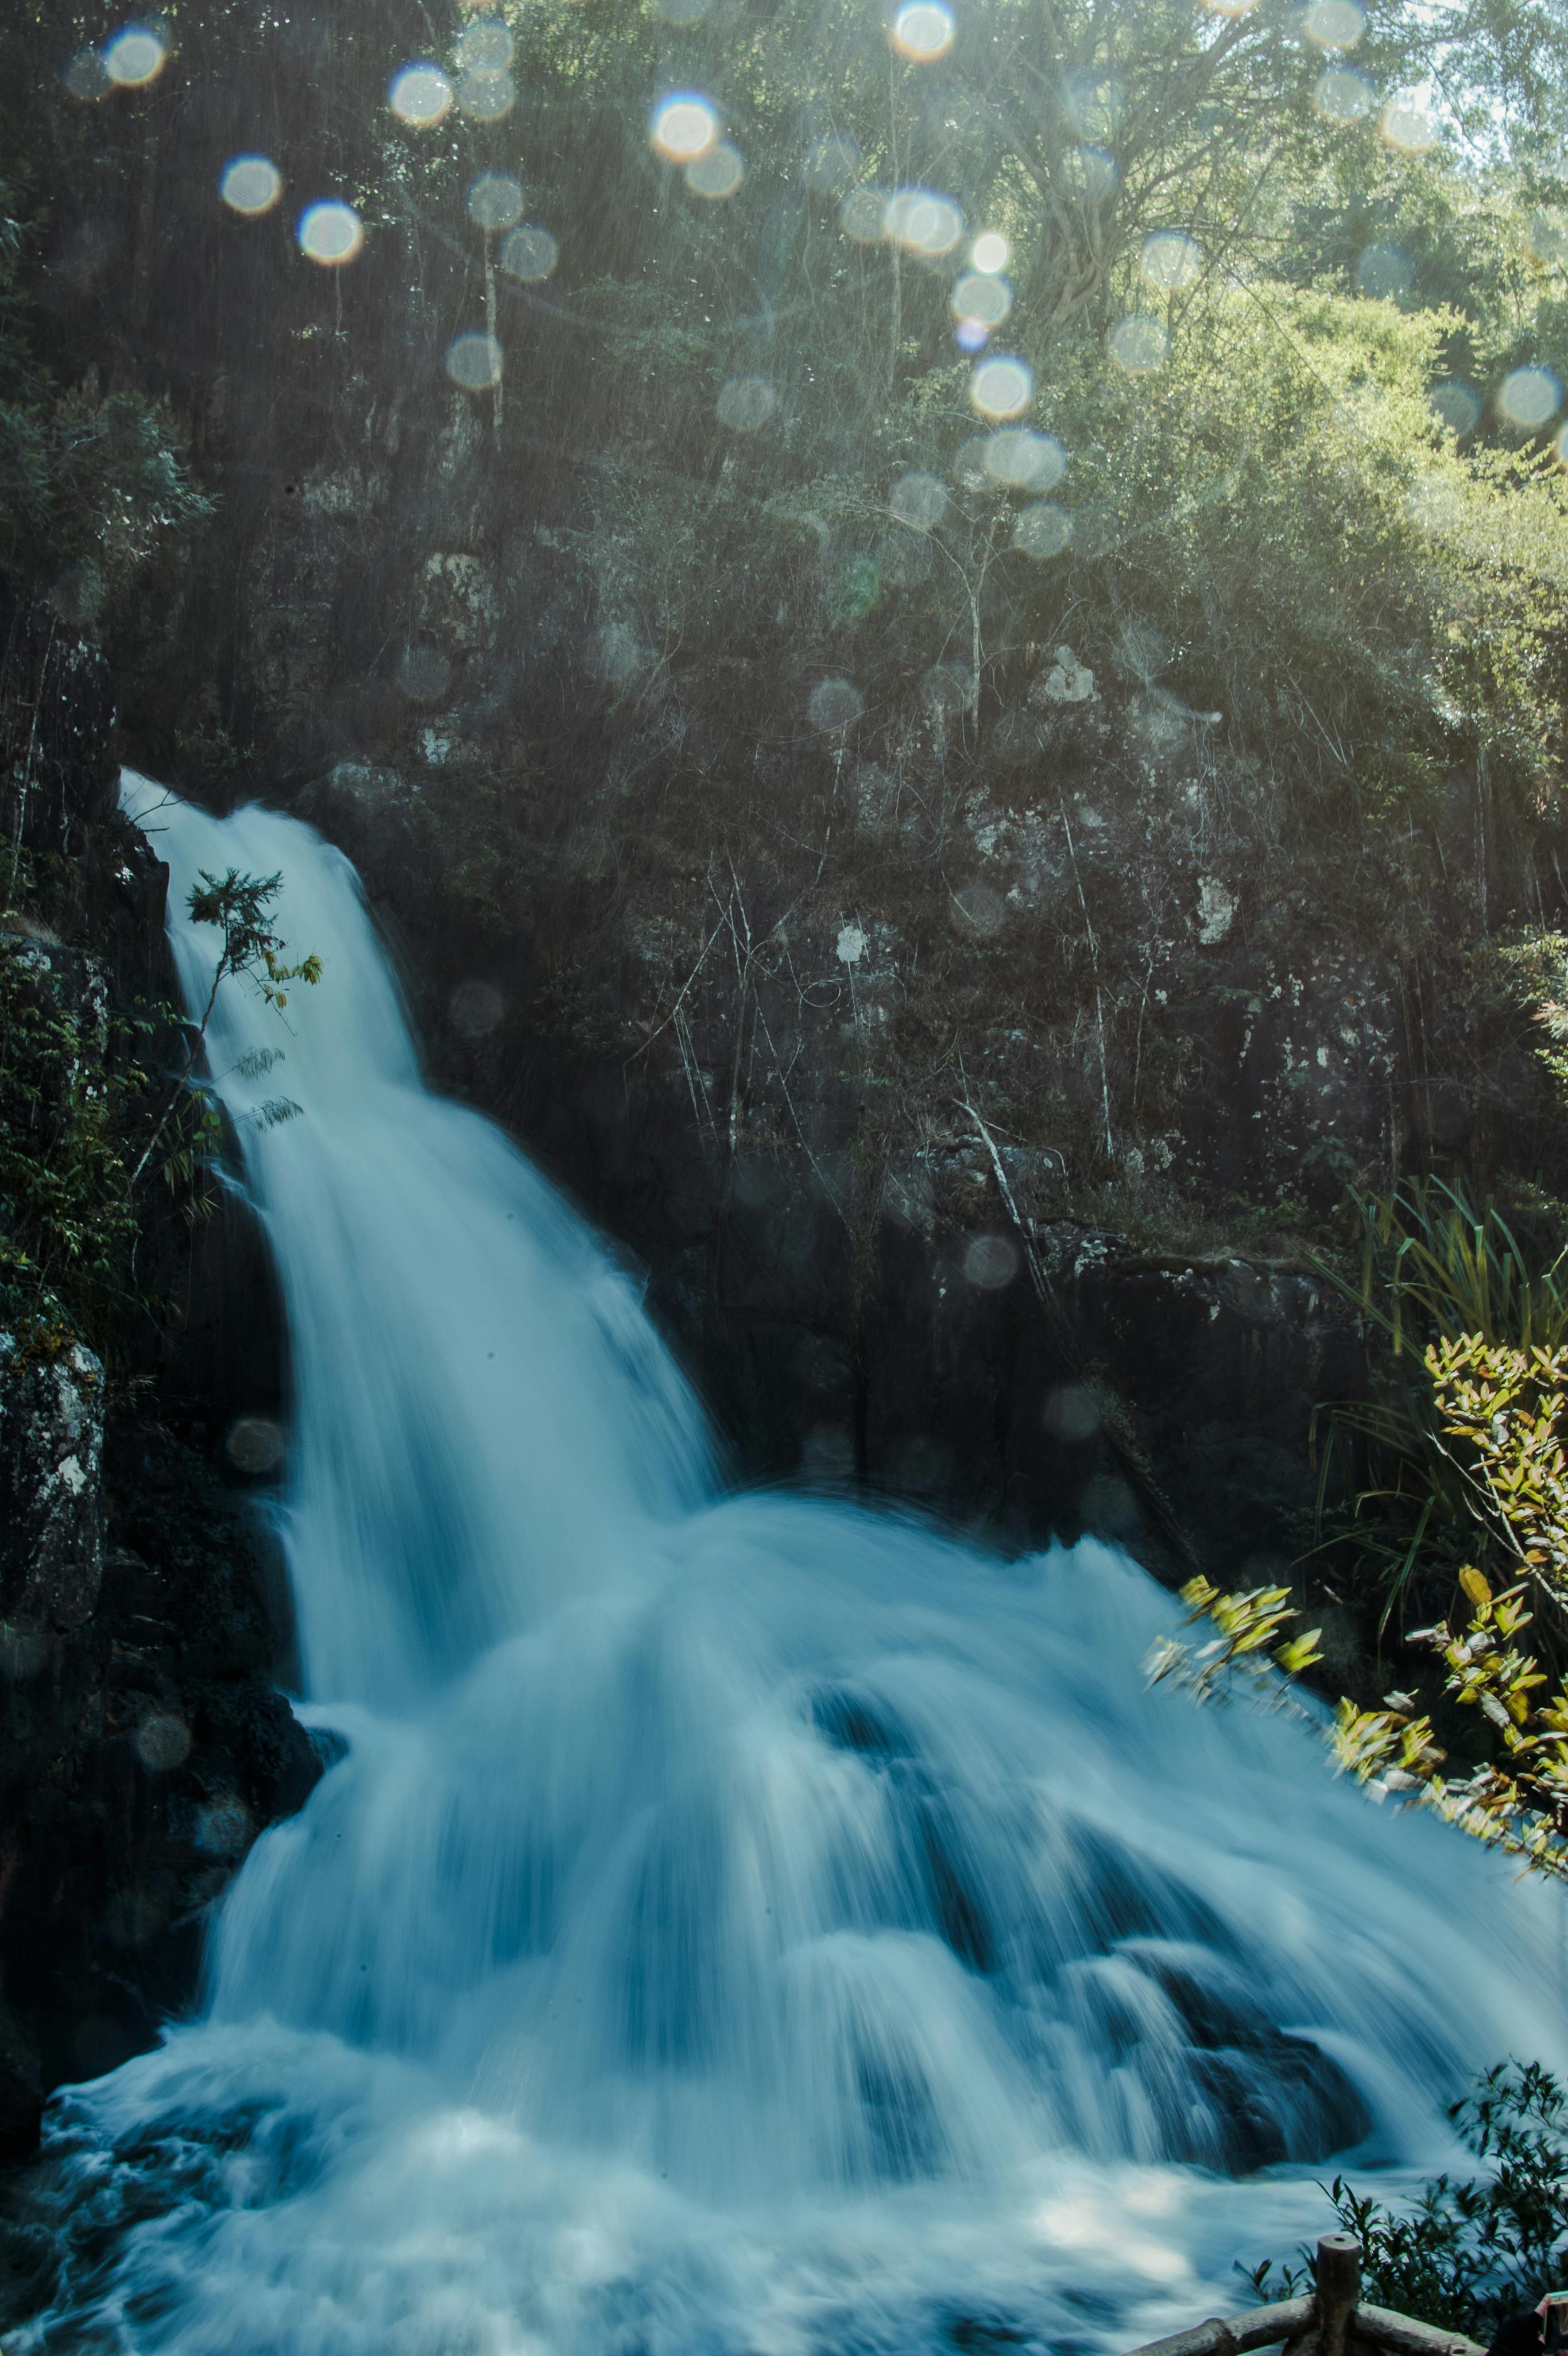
column 1334, row 2321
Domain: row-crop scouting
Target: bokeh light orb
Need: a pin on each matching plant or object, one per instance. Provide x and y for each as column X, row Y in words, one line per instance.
column 746, row 402
column 1139, row 343
column 1409, row 125
column 918, row 500
column 256, row 1444
column 529, row 253
column 486, row 97
column 831, row 165
column 1530, row 398
column 719, row 173
column 1334, row 24
column 923, row 30
column 980, row 294
column 485, row 46
column 833, row 706
column 1170, row 259
column 971, row 335
column 495, row 200
column 250, row 184
column 969, row 469
column 923, row 222
column 990, row 1262
column 420, row 96
column 861, row 215
column 990, row 252
column 1022, row 460
column 1385, row 273
column 473, row 360
column 683, row 126
column 1343, row 94
column 1043, row 530
column 135, row 56
column 331, row 232
column 87, row 76
column 1095, row 102
column 1001, row 387
column 1456, row 405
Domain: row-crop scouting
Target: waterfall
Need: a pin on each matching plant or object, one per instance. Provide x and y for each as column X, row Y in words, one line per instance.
column 741, row 1925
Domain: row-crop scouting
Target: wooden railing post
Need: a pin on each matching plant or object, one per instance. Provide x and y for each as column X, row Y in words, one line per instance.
column 1338, row 2289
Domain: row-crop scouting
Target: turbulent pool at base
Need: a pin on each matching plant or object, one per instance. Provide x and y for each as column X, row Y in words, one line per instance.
column 736, row 1924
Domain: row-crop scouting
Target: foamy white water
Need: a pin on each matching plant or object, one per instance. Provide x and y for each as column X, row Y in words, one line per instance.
column 739, row 1925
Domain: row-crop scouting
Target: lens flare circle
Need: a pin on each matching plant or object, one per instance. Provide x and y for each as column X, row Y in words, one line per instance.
column 831, row 167
column 1042, row 531
column 923, row 30
column 135, row 56
column 861, row 215
column 422, row 95
column 1172, row 260
column 719, row 173
column 1343, row 94
column 746, row 402
column 982, row 296
column 1385, row 273
column 529, row 253
column 1139, row 343
column 1530, row 398
column 833, row 706
column 990, row 252
column 1334, row 24
column 495, row 200
column 473, row 360
column 1020, row 459
column 683, row 126
column 486, row 47
column 331, row 232
column 918, row 500
column 923, row 222
column 87, row 77
column 486, row 97
column 1456, row 405
column 1002, row 387
column 1409, row 125
column 250, row 184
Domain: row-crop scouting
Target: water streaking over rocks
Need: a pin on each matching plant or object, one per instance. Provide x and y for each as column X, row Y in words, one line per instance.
column 737, row 1925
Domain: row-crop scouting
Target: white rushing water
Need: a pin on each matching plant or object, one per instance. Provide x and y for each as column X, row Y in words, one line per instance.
column 738, row 1925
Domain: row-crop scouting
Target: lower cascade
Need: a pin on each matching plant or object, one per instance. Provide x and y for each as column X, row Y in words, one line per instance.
column 739, row 1925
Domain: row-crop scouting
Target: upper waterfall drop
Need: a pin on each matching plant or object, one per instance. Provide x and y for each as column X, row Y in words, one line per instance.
column 455, row 1331
column 738, row 1923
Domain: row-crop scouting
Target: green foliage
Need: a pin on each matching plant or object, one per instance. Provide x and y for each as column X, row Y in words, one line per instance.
column 1467, row 2252
column 93, row 492
column 1427, row 1267
column 1251, row 1631
column 1502, row 1417
column 86, row 1122
column 67, row 1082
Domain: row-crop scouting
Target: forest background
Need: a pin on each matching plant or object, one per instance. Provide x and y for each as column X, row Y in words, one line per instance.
column 931, row 582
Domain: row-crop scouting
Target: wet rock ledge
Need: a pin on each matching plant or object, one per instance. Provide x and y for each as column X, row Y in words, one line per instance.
column 142, row 1742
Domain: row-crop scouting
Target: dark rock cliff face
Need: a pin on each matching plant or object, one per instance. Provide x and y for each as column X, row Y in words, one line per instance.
column 143, row 1740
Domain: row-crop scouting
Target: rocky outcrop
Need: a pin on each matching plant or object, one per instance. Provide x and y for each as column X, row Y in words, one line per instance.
column 142, row 1742
column 51, row 1487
